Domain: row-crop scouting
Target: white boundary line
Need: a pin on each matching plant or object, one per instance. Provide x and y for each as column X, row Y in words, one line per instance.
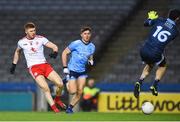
column 89, row 121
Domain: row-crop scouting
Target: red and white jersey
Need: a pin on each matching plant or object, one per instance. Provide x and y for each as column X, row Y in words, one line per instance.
column 33, row 49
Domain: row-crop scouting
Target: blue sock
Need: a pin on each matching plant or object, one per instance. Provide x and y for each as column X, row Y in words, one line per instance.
column 64, row 81
column 141, row 80
column 155, row 83
column 71, row 106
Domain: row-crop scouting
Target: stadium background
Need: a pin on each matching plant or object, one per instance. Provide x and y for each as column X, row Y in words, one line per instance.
column 118, row 33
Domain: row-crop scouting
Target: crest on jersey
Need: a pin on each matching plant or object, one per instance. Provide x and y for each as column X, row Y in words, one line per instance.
column 33, row 49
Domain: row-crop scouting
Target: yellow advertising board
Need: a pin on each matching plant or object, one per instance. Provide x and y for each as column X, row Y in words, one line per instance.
column 126, row 102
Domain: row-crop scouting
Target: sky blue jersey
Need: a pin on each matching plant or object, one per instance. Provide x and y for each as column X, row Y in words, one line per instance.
column 80, row 53
column 163, row 31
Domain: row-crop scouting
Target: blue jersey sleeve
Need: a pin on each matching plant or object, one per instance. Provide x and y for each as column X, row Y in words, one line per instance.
column 149, row 22
column 72, row 46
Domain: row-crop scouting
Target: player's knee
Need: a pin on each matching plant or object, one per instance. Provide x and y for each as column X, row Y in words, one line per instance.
column 80, row 92
column 72, row 91
column 60, row 84
column 78, row 95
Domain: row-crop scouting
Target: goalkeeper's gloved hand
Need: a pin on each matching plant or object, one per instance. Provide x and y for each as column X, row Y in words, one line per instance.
column 53, row 55
column 152, row 15
column 12, row 69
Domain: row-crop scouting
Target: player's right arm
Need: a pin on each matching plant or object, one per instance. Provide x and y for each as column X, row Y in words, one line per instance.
column 71, row 47
column 65, row 54
column 16, row 55
column 15, row 60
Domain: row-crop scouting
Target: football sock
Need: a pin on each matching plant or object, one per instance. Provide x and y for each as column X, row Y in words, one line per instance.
column 155, row 83
column 71, row 106
column 57, row 98
column 141, row 80
column 54, row 108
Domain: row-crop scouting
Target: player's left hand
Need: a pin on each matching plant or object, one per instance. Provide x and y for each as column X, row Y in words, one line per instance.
column 152, row 15
column 53, row 55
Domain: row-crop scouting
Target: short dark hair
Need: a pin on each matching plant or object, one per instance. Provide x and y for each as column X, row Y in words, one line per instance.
column 174, row 14
column 29, row 25
column 85, row 28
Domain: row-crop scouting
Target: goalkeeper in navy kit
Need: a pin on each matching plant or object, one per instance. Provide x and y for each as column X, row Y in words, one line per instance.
column 163, row 31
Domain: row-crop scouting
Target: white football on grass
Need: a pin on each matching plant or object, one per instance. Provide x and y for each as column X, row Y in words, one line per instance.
column 147, row 108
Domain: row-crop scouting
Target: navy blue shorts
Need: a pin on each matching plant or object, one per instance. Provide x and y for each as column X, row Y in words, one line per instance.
column 150, row 58
column 75, row 75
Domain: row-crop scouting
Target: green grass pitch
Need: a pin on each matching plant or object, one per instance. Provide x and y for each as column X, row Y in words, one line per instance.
column 85, row 116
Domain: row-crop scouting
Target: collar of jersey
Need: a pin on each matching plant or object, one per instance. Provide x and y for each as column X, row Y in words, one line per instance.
column 171, row 21
column 84, row 42
column 28, row 38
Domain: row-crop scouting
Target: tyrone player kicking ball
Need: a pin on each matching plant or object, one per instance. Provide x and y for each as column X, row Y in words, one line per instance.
column 32, row 46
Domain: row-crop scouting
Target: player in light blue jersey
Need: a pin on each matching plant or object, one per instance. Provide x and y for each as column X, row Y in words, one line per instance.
column 81, row 53
column 163, row 31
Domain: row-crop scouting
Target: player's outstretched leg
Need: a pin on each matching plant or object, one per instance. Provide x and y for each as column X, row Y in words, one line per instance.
column 71, row 86
column 57, row 99
column 159, row 74
column 54, row 77
column 79, row 85
column 145, row 73
column 40, row 80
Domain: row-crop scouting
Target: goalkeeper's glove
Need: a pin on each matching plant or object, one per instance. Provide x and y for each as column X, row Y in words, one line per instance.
column 152, row 15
